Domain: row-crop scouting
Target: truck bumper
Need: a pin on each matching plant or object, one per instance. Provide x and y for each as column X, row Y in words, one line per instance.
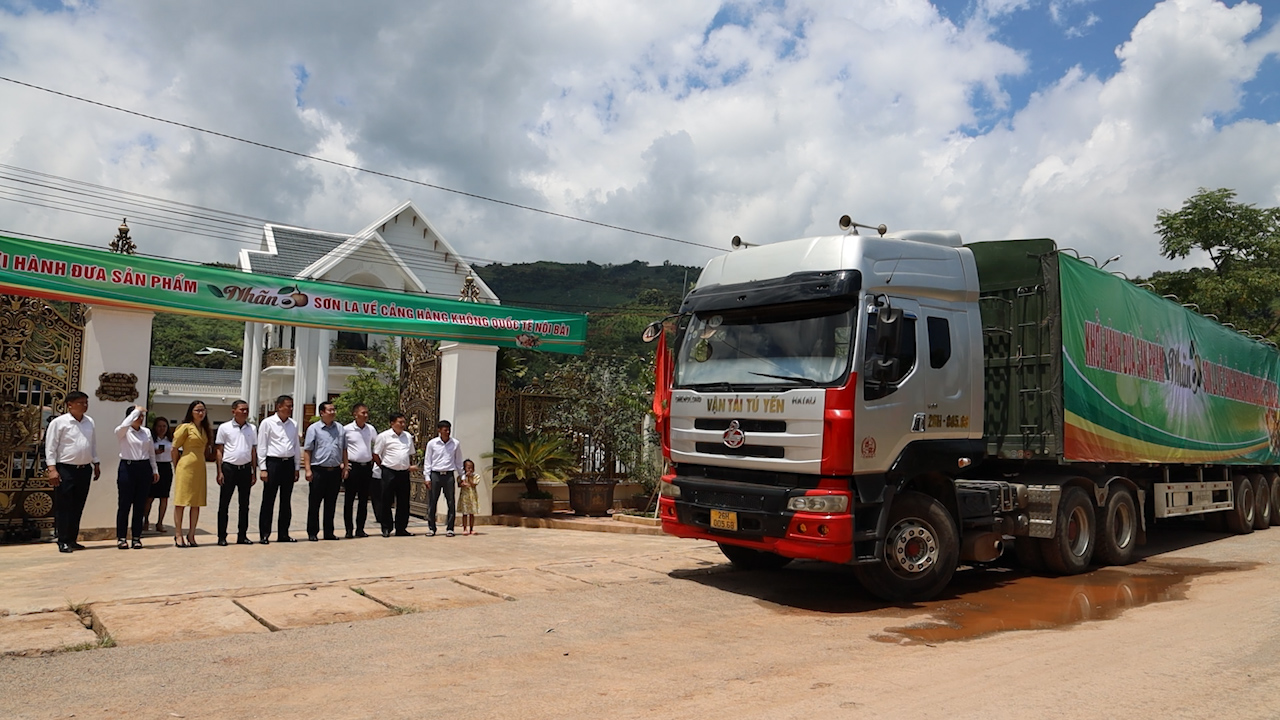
column 801, row 535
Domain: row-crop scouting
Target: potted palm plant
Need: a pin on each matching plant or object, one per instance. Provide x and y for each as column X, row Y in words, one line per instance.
column 529, row 459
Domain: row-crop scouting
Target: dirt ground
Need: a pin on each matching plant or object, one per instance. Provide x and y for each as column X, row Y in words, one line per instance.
column 1201, row 639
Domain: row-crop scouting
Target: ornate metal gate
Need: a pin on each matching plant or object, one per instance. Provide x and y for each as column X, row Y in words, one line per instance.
column 420, row 402
column 40, row 352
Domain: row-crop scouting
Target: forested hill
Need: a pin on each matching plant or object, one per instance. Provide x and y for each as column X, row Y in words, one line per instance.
column 588, row 287
column 621, row 299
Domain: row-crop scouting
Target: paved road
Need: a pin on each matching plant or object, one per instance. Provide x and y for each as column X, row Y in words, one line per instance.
column 801, row 642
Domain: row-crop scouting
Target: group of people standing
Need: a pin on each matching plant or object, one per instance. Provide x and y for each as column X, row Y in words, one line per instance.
column 366, row 465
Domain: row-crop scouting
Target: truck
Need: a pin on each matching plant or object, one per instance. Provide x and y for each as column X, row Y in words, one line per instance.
column 906, row 403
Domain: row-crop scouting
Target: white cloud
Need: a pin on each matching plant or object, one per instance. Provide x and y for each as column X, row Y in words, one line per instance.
column 638, row 114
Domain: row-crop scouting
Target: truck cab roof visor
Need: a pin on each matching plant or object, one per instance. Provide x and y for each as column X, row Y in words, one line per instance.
column 794, row 288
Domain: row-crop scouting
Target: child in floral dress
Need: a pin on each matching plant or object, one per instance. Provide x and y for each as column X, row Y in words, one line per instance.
column 467, row 498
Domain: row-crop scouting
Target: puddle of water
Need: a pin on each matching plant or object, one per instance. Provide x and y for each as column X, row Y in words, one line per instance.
column 1024, row 602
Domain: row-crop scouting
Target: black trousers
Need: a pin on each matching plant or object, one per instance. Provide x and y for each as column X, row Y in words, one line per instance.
column 356, row 490
column 279, row 480
column 325, row 483
column 395, row 486
column 235, row 479
column 69, row 498
column 441, row 482
column 133, row 487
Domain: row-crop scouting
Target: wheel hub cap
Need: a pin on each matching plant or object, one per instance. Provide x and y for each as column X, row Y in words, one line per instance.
column 913, row 547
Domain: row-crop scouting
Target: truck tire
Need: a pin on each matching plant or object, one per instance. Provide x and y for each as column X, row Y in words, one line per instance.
column 1274, row 481
column 1240, row 518
column 1262, row 501
column 921, row 551
column 1070, row 550
column 1117, row 537
column 748, row 559
column 1028, row 551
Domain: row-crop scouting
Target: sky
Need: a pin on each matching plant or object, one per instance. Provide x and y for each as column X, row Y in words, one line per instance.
column 1078, row 120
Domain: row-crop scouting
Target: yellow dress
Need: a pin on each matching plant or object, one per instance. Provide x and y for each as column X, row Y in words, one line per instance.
column 189, row 480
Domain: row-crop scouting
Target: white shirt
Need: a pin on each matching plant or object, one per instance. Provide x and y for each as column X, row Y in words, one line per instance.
column 360, row 442
column 395, row 451
column 162, row 450
column 443, row 456
column 279, row 440
column 237, row 442
column 70, row 442
column 135, row 444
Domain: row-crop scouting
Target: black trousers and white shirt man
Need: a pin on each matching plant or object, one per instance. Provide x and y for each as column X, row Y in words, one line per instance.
column 443, row 462
column 71, row 453
column 279, row 460
column 358, row 477
column 394, row 448
column 236, row 458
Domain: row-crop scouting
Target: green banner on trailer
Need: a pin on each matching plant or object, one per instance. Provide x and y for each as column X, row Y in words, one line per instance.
column 1145, row 380
column 60, row 272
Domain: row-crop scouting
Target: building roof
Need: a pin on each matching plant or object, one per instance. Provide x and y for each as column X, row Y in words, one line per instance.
column 290, row 250
column 195, row 381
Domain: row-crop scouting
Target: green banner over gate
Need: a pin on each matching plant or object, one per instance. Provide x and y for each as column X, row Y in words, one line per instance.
column 61, row 272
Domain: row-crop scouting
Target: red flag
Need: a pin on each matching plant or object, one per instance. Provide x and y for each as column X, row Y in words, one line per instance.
column 662, row 393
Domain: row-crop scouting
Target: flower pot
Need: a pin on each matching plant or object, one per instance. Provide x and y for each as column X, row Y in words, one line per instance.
column 591, row 496
column 537, row 507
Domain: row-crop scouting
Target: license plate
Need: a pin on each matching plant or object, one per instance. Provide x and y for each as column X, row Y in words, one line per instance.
column 724, row 520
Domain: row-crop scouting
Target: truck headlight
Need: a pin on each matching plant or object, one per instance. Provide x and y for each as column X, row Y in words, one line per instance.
column 819, row 503
column 666, row 489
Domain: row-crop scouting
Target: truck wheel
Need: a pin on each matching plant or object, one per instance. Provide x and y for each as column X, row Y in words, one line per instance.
column 921, row 551
column 1118, row 529
column 1240, row 518
column 748, row 559
column 1274, row 481
column 1070, row 550
column 1262, row 497
column 1028, row 551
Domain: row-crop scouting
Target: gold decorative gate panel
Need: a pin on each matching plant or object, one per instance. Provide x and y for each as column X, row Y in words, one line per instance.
column 420, row 403
column 41, row 346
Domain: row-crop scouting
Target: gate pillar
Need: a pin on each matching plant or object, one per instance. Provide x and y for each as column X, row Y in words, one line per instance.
column 117, row 344
column 468, row 374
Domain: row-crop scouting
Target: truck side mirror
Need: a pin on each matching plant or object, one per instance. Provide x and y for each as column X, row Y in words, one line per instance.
column 888, row 331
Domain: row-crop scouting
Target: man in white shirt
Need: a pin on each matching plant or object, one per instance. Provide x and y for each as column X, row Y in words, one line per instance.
column 70, row 450
column 237, row 456
column 444, row 462
column 359, row 473
column 394, row 448
column 279, row 459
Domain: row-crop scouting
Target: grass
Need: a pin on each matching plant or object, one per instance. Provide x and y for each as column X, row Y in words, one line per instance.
column 404, row 609
column 360, row 591
column 79, row 608
column 106, row 641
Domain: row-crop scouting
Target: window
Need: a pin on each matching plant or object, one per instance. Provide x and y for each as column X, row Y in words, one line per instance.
column 881, row 375
column 939, row 341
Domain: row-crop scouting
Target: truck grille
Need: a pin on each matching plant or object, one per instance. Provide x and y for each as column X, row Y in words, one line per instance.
column 763, row 426
column 759, row 451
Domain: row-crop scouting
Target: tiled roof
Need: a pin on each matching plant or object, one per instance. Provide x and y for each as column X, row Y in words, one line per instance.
column 296, row 250
column 195, row 381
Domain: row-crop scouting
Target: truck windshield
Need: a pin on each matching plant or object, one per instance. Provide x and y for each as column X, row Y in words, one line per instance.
column 795, row 345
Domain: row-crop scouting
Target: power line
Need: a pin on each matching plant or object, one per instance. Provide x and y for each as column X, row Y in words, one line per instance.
column 356, row 168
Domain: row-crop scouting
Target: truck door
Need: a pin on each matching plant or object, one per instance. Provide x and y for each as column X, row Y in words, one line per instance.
column 926, row 392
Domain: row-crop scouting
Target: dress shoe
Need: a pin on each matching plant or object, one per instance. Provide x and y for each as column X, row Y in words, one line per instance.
column 386, row 533
column 78, row 546
column 222, row 542
column 361, row 533
column 332, row 537
column 312, row 538
column 405, row 533
column 286, row 539
column 122, row 544
column 265, row 541
column 244, row 541
column 64, row 548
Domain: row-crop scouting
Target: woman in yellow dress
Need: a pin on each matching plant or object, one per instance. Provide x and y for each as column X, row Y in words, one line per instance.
column 189, row 479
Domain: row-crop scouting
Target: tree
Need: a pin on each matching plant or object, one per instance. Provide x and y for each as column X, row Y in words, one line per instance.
column 1243, row 245
column 175, row 339
column 376, row 384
